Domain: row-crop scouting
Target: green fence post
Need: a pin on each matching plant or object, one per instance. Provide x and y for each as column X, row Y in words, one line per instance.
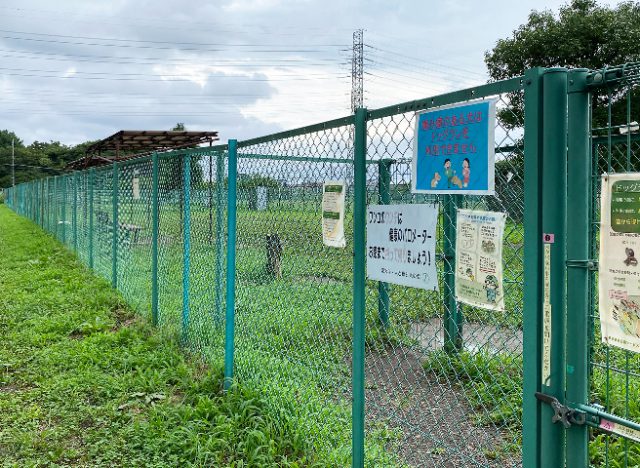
column 154, row 240
column 359, row 284
column 452, row 316
column 554, row 206
column 54, row 210
column 578, row 199
column 532, row 318
column 63, row 207
column 92, row 178
column 74, row 215
column 42, row 201
column 384, row 189
column 186, row 239
column 219, row 236
column 231, row 263
column 116, row 228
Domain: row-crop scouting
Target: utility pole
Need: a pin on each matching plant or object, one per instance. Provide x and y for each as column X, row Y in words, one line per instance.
column 357, row 71
column 13, row 163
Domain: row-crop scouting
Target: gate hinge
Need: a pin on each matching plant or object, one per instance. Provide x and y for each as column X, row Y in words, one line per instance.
column 564, row 414
column 591, row 265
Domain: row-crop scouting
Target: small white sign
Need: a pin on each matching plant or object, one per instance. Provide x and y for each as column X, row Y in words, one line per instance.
column 401, row 245
column 136, row 188
column 546, row 318
column 333, row 193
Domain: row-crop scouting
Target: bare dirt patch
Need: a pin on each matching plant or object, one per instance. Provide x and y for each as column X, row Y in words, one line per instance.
column 432, row 413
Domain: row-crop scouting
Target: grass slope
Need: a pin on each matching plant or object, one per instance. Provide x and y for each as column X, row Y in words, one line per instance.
column 85, row 383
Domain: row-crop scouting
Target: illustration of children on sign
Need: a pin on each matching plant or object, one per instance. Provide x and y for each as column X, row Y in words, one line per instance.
column 466, row 172
column 491, row 286
column 450, row 174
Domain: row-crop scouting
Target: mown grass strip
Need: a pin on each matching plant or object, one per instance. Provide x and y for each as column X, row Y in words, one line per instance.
column 83, row 381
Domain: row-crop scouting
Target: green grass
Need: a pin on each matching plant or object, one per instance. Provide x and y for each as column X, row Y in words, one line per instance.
column 293, row 334
column 84, row 381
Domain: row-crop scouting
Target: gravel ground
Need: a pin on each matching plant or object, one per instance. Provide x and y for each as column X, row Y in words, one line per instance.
column 432, row 412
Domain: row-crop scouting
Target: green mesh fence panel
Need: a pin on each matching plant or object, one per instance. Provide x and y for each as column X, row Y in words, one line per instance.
column 134, row 231
column 438, row 406
column 294, row 295
column 615, row 373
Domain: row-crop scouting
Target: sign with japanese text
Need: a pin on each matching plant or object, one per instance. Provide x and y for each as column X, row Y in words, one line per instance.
column 479, row 259
column 454, row 149
column 333, row 214
column 619, row 272
column 401, row 245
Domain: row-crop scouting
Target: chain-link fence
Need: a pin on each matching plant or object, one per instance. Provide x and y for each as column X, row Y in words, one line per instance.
column 614, row 381
column 223, row 248
column 445, row 379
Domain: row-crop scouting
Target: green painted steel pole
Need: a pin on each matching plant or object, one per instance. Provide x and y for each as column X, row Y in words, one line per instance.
column 554, row 208
column 54, row 227
column 186, row 247
column 384, row 190
column 92, row 179
column 42, row 202
column 63, row 207
column 74, row 214
column 532, row 315
column 578, row 206
column 219, row 236
column 231, row 263
column 155, row 225
column 452, row 316
column 359, row 284
column 116, row 228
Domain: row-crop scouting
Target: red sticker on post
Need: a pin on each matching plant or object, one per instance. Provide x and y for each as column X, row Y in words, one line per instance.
column 548, row 238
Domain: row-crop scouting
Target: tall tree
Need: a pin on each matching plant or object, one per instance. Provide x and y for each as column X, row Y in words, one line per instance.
column 582, row 34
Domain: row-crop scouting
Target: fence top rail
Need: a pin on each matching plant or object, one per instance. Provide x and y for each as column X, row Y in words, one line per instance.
column 625, row 74
column 476, row 92
column 328, row 125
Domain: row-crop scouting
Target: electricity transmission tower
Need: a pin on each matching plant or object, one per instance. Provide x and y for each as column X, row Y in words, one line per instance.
column 357, row 71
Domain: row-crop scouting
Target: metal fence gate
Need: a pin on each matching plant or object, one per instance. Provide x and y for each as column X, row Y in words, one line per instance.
column 223, row 247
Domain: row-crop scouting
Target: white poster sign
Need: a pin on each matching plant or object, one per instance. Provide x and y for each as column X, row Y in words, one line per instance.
column 333, row 193
column 136, row 188
column 619, row 272
column 479, row 259
column 401, row 245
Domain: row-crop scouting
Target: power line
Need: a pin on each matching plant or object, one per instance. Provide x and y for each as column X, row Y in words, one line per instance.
column 142, row 41
column 130, row 46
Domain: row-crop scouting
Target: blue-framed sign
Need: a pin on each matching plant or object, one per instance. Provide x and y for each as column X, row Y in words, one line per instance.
column 454, row 149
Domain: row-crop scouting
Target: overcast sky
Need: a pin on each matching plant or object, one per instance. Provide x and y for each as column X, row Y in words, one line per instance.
column 78, row 70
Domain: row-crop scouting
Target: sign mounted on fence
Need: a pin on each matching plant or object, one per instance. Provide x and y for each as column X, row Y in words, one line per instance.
column 619, row 272
column 401, row 245
column 454, row 149
column 136, row 188
column 479, row 259
column 333, row 193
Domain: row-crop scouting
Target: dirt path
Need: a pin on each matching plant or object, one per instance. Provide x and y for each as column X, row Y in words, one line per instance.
column 438, row 426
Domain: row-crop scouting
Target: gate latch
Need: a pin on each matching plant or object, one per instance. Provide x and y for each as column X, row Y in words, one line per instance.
column 567, row 416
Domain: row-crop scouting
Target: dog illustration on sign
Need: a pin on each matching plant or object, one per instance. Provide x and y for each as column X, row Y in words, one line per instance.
column 435, row 180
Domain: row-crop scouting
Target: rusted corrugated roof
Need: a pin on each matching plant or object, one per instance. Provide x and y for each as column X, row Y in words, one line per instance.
column 128, row 144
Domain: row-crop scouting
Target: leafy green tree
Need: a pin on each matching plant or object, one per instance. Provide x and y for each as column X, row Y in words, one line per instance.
column 582, row 34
